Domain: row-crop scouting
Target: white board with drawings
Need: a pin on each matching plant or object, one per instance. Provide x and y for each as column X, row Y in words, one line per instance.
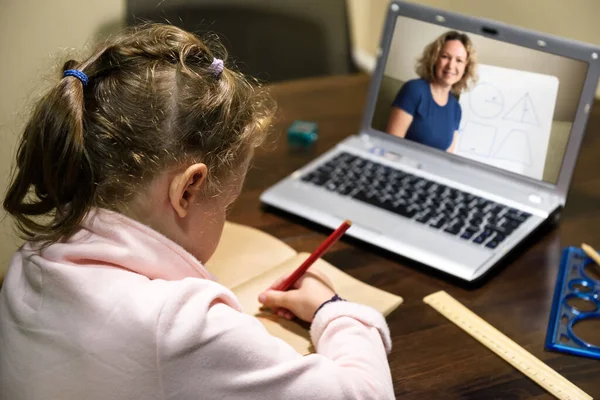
column 507, row 119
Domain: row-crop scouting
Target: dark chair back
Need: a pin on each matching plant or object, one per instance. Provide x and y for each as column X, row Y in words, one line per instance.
column 273, row 40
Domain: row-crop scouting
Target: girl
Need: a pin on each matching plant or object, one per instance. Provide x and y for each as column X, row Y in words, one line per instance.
column 124, row 173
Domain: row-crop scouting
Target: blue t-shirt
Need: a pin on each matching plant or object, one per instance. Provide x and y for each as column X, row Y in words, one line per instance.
column 433, row 125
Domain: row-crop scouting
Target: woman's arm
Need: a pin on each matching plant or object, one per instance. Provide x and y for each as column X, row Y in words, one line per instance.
column 399, row 122
column 453, row 144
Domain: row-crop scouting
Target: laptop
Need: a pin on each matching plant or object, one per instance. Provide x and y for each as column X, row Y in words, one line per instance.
column 454, row 173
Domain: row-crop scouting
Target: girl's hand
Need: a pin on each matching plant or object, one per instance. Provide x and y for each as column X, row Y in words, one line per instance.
column 302, row 299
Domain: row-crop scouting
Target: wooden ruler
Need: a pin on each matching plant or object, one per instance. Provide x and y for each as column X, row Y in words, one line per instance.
column 510, row 351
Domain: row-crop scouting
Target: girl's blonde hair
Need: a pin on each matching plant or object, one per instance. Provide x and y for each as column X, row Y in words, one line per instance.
column 153, row 102
column 426, row 64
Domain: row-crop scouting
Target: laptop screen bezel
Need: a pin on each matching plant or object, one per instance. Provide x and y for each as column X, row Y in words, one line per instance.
column 505, row 33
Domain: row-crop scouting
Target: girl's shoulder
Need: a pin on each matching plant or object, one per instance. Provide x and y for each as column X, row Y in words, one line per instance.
column 172, row 297
column 159, row 306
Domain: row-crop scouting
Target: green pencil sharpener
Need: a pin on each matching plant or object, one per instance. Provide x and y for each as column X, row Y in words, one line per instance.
column 302, row 133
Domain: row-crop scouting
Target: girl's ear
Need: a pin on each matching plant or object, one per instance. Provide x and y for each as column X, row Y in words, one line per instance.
column 185, row 187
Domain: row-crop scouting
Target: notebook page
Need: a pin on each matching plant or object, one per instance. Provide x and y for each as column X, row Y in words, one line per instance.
column 244, row 253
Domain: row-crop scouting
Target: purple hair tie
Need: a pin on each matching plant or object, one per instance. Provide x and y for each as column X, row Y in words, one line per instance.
column 217, row 67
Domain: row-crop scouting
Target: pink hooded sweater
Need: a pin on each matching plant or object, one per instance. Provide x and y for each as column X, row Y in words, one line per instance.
column 121, row 312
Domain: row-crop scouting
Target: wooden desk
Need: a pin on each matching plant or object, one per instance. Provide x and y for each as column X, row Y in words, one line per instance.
column 431, row 357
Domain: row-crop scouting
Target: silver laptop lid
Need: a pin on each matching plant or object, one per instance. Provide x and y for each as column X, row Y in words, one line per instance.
column 522, row 118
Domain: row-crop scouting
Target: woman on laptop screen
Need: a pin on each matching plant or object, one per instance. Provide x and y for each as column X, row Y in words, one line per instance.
column 426, row 109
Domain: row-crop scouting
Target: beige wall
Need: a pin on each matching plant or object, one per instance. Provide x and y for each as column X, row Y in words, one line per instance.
column 32, row 34
column 576, row 19
column 411, row 36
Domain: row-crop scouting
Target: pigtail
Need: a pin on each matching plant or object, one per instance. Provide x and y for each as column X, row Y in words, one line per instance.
column 53, row 174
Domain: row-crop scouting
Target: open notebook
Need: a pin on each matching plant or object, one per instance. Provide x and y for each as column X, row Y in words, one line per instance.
column 248, row 261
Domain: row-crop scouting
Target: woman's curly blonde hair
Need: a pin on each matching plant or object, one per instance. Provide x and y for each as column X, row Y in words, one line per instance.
column 426, row 64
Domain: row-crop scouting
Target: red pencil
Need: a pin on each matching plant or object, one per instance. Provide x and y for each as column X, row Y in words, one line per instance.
column 334, row 237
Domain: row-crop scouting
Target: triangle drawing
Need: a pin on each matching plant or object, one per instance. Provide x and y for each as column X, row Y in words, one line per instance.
column 523, row 111
column 515, row 147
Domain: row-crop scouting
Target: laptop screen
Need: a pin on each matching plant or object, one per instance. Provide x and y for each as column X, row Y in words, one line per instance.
column 494, row 102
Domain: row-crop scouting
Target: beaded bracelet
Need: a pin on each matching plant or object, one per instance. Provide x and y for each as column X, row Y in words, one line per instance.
column 331, row 300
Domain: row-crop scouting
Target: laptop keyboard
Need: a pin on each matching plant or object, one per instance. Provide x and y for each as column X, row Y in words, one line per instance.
column 440, row 207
